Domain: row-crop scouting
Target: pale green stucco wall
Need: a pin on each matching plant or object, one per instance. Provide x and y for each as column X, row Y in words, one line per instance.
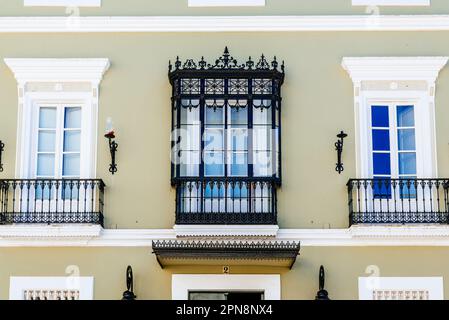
column 317, row 104
column 108, row 265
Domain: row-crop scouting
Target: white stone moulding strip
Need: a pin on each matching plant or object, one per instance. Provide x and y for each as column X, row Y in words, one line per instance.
column 230, row 230
column 78, row 236
column 286, row 23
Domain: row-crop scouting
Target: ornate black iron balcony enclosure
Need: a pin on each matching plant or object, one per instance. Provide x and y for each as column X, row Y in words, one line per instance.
column 51, row 201
column 226, row 150
column 402, row 201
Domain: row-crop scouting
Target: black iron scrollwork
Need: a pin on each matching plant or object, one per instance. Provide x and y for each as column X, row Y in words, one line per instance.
column 2, row 148
column 339, row 147
column 322, row 294
column 129, row 294
column 113, row 146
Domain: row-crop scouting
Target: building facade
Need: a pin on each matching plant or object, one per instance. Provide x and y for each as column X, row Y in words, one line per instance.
column 224, row 149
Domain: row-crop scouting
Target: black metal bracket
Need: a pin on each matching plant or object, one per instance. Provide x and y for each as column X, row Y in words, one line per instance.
column 113, row 146
column 2, row 148
column 322, row 294
column 339, row 147
column 129, row 294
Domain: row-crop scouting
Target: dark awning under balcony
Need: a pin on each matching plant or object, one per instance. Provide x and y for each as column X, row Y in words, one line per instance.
column 264, row 253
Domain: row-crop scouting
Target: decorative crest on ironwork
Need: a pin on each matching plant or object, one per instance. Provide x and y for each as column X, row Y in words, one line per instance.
column 227, row 62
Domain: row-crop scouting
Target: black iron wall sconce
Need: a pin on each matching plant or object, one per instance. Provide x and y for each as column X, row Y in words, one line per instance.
column 110, row 135
column 339, row 147
column 2, row 148
column 129, row 294
column 322, row 294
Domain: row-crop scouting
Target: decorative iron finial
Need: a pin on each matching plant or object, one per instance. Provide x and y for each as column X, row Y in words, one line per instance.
column 2, row 148
column 274, row 64
column 129, row 294
column 177, row 63
column 202, row 64
column 322, row 293
column 339, row 147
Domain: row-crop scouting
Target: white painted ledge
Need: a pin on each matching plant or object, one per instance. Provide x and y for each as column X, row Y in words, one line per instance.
column 356, row 236
column 56, row 231
column 226, row 230
column 286, row 23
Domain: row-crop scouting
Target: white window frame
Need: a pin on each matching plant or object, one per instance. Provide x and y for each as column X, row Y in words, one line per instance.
column 18, row 285
column 59, row 72
column 389, row 71
column 62, row 3
column 182, row 284
column 226, row 3
column 391, row 2
column 434, row 285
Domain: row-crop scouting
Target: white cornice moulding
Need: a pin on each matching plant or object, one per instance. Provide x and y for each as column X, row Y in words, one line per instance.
column 226, row 3
column 391, row 2
column 57, row 231
column 393, row 68
column 225, row 23
column 62, row 3
column 228, row 231
column 356, row 236
column 60, row 70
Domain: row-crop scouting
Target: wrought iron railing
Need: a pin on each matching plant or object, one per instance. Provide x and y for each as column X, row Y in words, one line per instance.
column 398, row 201
column 226, row 201
column 51, row 201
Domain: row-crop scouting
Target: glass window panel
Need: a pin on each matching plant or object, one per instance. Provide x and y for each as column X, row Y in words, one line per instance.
column 72, row 117
column 382, row 187
column 214, row 116
column 379, row 116
column 72, row 141
column 239, row 164
column 381, row 140
column 262, row 165
column 190, row 115
column 407, row 163
column 262, row 138
column 47, row 117
column 213, row 139
column 381, row 163
column 213, row 164
column 189, row 162
column 43, row 190
column 46, row 141
column 407, row 187
column 71, row 165
column 239, row 116
column 262, row 114
column 190, row 137
column 406, row 139
column 238, row 139
column 406, row 116
column 46, row 165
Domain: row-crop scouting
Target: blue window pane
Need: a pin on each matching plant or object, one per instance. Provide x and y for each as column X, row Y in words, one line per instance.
column 379, row 116
column 407, row 188
column 213, row 139
column 71, row 190
column 406, row 116
column 381, row 163
column 407, row 163
column 214, row 116
column 406, row 139
column 381, row 188
column 45, row 165
column 239, row 116
column 216, row 190
column 72, row 141
column 213, row 164
column 381, row 140
column 239, row 190
column 43, row 191
column 71, row 165
column 46, row 141
column 47, row 117
column 239, row 164
column 72, row 117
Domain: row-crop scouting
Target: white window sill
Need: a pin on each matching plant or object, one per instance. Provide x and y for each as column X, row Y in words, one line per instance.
column 50, row 231
column 62, row 3
column 226, row 3
column 225, row 230
column 391, row 2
